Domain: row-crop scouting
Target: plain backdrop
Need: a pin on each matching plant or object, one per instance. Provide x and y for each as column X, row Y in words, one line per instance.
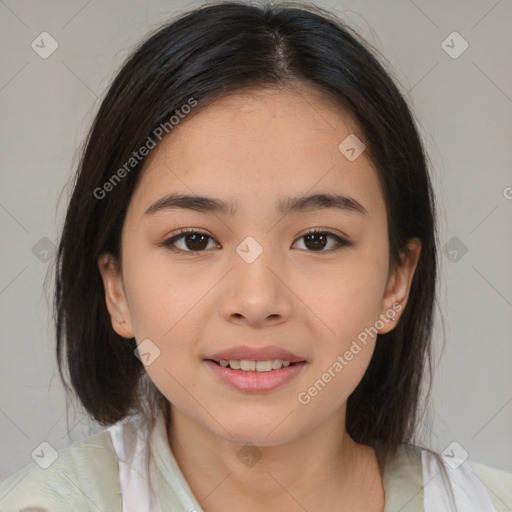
column 462, row 101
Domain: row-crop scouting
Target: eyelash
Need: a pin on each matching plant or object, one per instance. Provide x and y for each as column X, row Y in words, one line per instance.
column 182, row 233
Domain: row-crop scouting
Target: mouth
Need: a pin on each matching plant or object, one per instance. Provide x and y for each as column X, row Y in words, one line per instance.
column 255, row 369
column 249, row 376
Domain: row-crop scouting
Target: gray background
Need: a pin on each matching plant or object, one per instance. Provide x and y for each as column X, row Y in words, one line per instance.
column 464, row 109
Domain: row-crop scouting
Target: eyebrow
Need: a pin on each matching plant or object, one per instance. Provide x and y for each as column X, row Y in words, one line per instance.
column 284, row 206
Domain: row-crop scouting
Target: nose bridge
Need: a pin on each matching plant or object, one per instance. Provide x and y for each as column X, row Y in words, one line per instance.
column 252, row 260
column 255, row 289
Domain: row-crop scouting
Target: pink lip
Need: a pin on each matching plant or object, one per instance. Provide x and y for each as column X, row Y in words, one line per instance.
column 253, row 381
column 256, row 354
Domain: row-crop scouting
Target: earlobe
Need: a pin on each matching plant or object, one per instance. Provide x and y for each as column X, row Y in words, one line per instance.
column 115, row 297
column 399, row 285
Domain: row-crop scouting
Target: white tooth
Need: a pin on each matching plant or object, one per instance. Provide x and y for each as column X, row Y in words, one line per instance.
column 260, row 366
column 263, row 366
column 247, row 365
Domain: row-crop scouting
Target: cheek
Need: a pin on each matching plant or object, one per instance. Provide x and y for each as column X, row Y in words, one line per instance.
column 166, row 308
column 164, row 299
column 328, row 391
column 349, row 299
column 339, row 367
column 349, row 304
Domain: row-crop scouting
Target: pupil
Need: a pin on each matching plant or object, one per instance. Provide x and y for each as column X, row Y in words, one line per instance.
column 195, row 238
column 315, row 244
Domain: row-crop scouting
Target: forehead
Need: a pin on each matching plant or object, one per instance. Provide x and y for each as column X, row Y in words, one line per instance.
column 264, row 143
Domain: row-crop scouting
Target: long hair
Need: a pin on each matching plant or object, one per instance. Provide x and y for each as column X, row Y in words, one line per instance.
column 202, row 55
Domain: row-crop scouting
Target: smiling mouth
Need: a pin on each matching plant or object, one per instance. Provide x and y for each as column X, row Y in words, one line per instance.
column 245, row 365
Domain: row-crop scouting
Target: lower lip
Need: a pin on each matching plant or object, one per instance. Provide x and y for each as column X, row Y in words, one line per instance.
column 252, row 381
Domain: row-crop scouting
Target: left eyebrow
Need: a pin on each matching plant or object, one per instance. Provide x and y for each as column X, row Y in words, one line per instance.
column 284, row 206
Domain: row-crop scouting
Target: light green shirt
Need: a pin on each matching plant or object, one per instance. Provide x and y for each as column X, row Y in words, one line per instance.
column 85, row 477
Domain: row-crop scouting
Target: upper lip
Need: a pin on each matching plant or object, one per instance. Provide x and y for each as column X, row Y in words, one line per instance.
column 256, row 354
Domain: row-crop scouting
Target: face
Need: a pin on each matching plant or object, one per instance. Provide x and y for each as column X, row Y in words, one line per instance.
column 253, row 276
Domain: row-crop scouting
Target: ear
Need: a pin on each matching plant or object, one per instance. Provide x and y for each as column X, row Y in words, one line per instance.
column 115, row 295
column 399, row 285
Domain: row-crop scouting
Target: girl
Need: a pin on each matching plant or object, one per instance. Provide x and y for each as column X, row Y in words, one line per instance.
column 246, row 281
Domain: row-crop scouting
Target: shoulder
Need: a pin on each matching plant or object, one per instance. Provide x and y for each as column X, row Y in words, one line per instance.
column 498, row 484
column 403, row 480
column 416, row 477
column 71, row 478
column 475, row 486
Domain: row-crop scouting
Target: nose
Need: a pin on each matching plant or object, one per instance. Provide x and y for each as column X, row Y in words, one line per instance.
column 256, row 292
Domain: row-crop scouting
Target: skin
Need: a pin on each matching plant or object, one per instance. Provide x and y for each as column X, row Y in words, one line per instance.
column 254, row 148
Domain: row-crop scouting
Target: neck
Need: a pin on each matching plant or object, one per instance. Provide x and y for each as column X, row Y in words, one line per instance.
column 308, row 472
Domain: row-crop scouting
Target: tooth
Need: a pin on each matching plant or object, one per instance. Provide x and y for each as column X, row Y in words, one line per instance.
column 247, row 365
column 260, row 366
column 235, row 365
column 264, row 366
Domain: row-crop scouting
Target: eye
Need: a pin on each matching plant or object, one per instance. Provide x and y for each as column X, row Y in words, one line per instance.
column 197, row 242
column 316, row 239
column 194, row 241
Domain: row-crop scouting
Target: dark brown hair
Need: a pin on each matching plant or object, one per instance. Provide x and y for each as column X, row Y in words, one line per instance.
column 204, row 54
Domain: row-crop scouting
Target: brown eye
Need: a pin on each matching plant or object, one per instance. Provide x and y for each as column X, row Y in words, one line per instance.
column 317, row 240
column 193, row 242
column 196, row 241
